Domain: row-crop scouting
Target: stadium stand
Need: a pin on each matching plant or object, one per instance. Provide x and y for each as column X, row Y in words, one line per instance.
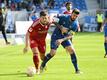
column 90, row 24
column 80, row 4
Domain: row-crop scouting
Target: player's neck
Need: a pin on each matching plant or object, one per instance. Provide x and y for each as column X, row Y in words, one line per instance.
column 41, row 23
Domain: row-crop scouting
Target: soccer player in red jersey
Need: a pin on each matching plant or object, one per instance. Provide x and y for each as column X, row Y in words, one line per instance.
column 68, row 6
column 36, row 36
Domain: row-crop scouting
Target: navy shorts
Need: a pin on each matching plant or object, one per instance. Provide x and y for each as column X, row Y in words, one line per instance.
column 64, row 44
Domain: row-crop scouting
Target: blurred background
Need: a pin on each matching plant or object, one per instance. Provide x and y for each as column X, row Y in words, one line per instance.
column 19, row 14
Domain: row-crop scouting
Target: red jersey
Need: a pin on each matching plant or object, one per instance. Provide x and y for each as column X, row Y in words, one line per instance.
column 68, row 12
column 38, row 31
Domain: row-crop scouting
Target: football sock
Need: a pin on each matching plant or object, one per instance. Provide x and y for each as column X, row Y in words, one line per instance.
column 105, row 45
column 74, row 61
column 46, row 59
column 36, row 61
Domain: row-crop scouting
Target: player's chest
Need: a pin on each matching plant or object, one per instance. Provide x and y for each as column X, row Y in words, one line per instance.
column 67, row 24
column 42, row 28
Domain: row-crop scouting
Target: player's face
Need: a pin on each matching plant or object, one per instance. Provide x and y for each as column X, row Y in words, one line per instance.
column 74, row 16
column 44, row 20
column 69, row 7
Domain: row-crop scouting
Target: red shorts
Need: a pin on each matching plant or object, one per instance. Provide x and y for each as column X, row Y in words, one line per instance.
column 40, row 44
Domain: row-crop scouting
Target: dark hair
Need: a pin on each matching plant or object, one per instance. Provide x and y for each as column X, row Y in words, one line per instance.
column 76, row 11
column 43, row 13
column 68, row 3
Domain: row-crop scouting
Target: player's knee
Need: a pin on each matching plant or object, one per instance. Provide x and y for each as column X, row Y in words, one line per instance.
column 35, row 54
column 106, row 40
column 35, row 50
column 70, row 49
column 52, row 54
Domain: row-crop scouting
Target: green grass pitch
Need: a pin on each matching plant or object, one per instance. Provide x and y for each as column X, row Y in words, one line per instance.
column 90, row 51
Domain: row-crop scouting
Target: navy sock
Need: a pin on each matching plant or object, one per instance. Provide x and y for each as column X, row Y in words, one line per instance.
column 105, row 45
column 46, row 59
column 74, row 61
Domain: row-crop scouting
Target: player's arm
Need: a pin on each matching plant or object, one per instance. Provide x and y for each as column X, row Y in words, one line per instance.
column 59, row 41
column 58, row 25
column 55, row 21
column 27, row 39
column 61, row 27
column 30, row 30
column 26, row 42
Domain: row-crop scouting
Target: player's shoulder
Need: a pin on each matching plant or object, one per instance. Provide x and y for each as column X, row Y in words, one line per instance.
column 76, row 21
column 35, row 23
column 64, row 16
column 65, row 12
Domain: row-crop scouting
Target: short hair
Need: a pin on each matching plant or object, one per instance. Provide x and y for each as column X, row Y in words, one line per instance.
column 43, row 13
column 68, row 3
column 76, row 11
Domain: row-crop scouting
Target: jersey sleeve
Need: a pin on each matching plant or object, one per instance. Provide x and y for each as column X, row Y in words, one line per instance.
column 61, row 16
column 33, row 26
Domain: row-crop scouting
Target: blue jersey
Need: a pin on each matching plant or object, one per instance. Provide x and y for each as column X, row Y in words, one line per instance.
column 65, row 21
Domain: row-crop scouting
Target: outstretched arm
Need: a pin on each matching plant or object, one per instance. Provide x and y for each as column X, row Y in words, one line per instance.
column 61, row 27
column 58, row 25
column 26, row 42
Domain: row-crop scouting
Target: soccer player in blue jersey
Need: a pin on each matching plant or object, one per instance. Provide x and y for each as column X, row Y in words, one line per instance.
column 61, row 35
column 105, row 34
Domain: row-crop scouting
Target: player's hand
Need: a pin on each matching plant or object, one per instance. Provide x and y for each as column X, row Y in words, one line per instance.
column 59, row 41
column 25, row 50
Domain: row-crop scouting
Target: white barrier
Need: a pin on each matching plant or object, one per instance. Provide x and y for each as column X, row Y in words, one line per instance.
column 21, row 29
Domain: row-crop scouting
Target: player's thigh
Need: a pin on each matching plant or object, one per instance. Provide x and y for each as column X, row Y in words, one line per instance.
column 34, row 46
column 68, row 46
column 42, row 46
column 53, row 45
